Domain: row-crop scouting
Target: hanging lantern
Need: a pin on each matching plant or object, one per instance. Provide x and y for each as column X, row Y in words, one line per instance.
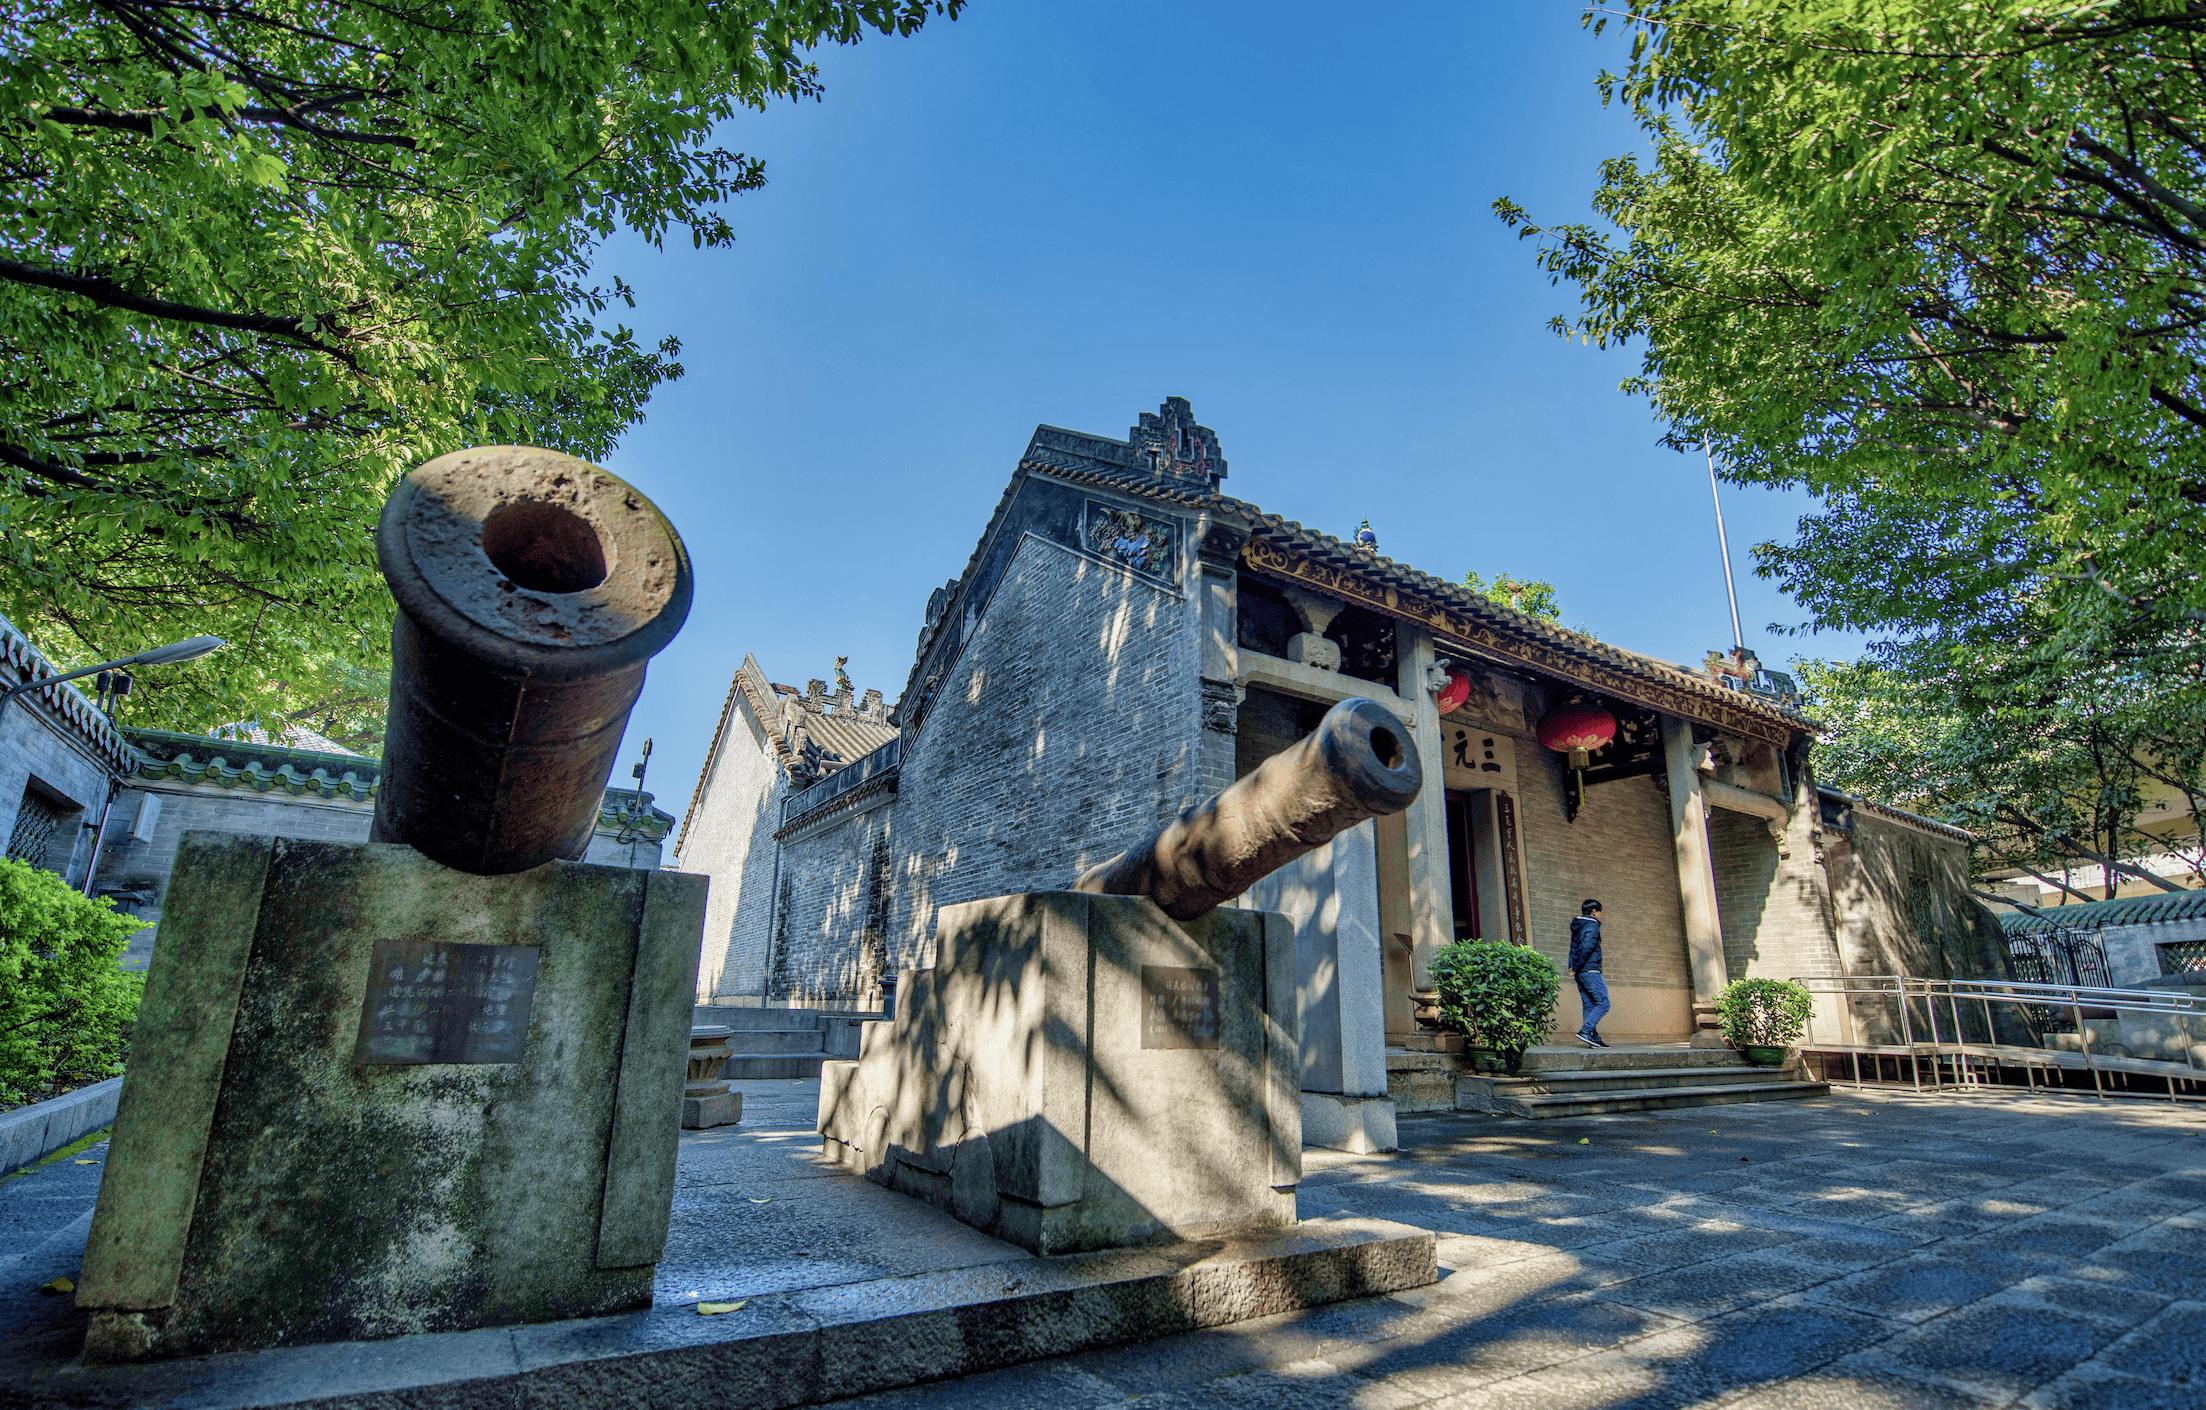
column 1576, row 730
column 1454, row 693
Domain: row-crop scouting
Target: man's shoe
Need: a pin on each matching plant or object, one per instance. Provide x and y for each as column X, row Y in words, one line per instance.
column 1590, row 1041
column 1598, row 1041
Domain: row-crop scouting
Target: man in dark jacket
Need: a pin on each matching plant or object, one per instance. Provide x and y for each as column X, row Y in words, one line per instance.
column 1585, row 967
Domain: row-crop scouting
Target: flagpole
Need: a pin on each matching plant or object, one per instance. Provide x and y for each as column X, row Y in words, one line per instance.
column 1731, row 589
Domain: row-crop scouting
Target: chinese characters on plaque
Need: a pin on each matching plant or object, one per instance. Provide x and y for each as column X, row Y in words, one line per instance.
column 1179, row 1007
column 430, row 1002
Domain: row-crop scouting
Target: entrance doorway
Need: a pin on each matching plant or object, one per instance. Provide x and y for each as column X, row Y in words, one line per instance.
column 1463, row 864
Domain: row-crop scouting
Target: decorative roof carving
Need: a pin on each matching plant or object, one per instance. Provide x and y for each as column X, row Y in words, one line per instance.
column 1169, row 445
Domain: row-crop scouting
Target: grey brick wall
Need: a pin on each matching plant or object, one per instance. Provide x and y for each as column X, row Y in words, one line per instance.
column 130, row 866
column 821, row 951
column 137, row 872
column 1618, row 850
column 741, row 806
column 37, row 753
column 1068, row 728
column 1775, row 917
column 1872, row 872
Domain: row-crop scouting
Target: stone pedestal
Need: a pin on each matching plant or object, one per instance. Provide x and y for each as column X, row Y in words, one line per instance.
column 1081, row 1072
column 706, row 1100
column 369, row 1096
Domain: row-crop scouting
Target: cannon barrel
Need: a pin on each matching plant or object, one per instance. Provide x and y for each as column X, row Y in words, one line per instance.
column 532, row 589
column 1358, row 763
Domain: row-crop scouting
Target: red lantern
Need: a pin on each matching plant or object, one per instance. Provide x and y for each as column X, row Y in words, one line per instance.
column 1577, row 730
column 1455, row 692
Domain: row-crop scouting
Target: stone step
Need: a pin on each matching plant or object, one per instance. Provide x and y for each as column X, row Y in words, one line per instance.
column 1561, row 1080
column 762, row 1067
column 1560, row 1059
column 1598, row 1102
column 756, row 1042
column 742, row 1019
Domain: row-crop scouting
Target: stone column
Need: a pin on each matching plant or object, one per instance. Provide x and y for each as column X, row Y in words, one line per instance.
column 1431, row 922
column 1217, row 619
column 1696, row 876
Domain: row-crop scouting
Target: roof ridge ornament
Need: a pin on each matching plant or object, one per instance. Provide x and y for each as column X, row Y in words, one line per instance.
column 1170, row 446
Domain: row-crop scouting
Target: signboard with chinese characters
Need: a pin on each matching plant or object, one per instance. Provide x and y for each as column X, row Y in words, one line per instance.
column 1179, row 1007
column 1477, row 758
column 430, row 1002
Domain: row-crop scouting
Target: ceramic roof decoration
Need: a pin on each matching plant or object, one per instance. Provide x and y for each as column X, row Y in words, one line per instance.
column 2098, row 915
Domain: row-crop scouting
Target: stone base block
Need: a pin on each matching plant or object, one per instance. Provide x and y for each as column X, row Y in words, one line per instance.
column 1082, row 1072
column 1709, row 1038
column 787, row 1349
column 718, row 1109
column 1361, row 1125
column 291, row 1164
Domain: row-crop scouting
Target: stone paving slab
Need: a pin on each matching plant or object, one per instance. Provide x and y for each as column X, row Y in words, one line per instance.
column 1825, row 1255
column 1841, row 1254
column 837, row 1285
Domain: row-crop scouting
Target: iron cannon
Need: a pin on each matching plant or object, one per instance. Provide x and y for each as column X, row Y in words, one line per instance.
column 532, row 590
column 1358, row 763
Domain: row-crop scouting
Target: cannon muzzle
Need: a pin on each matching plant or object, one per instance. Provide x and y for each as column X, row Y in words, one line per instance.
column 532, row 589
column 1357, row 764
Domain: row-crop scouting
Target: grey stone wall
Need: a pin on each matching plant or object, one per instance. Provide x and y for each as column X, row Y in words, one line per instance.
column 41, row 754
column 1775, row 916
column 730, row 839
column 1619, row 850
column 1882, row 876
column 1069, row 729
column 136, row 872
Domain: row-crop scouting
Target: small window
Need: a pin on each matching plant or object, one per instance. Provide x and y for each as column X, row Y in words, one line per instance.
column 36, row 822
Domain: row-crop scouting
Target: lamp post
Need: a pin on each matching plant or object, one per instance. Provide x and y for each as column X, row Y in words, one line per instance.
column 189, row 649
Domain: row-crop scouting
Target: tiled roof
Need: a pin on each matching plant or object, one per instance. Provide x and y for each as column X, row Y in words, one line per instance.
column 1099, row 461
column 20, row 661
column 623, row 808
column 266, row 768
column 236, row 763
column 1901, row 815
column 292, row 736
column 2097, row 915
column 833, row 723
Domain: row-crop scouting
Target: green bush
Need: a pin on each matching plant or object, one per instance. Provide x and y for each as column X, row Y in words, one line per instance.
column 1496, row 995
column 66, row 1005
column 1763, row 1013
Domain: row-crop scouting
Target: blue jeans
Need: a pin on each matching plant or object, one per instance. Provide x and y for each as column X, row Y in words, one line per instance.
column 1593, row 993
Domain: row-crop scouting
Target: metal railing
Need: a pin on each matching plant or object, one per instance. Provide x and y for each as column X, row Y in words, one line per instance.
column 1934, row 1021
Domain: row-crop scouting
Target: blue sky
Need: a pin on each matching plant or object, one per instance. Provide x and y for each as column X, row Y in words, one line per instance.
column 1060, row 212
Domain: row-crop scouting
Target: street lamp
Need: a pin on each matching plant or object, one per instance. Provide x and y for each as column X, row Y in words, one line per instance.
column 189, row 649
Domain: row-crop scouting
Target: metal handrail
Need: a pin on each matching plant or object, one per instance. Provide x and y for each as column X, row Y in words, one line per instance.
column 1908, row 989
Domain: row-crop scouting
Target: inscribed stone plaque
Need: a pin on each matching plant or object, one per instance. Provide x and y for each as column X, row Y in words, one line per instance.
column 1179, row 1007
column 430, row 1002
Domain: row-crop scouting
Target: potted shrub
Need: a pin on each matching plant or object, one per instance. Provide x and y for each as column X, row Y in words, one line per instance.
column 1500, row 997
column 1762, row 1017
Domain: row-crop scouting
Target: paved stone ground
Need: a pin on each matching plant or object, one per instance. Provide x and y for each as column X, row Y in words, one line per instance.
column 1863, row 1250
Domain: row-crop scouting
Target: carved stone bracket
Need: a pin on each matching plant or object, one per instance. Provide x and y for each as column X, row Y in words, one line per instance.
column 1222, row 706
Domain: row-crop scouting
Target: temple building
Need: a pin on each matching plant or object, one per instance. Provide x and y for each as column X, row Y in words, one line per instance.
column 1126, row 639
